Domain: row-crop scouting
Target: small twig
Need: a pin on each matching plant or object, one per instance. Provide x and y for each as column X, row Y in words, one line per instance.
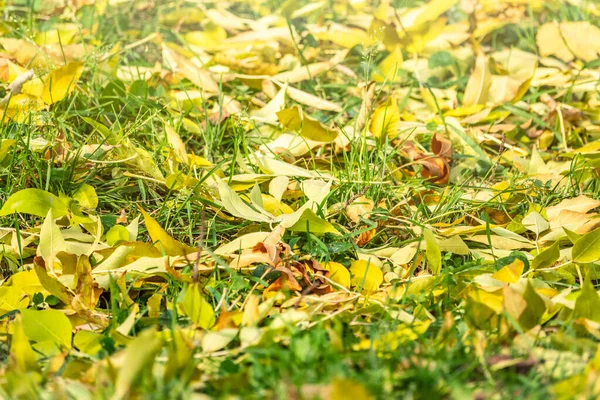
column 129, row 47
column 356, row 196
column 112, row 161
column 17, row 85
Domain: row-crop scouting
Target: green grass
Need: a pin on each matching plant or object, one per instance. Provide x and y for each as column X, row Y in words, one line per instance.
column 371, row 340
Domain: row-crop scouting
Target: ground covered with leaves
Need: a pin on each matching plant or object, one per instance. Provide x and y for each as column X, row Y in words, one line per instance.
column 332, row 199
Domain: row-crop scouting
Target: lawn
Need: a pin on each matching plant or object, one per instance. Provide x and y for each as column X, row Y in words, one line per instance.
column 338, row 199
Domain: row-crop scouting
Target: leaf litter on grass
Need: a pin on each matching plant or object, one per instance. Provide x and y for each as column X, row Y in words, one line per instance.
column 300, row 200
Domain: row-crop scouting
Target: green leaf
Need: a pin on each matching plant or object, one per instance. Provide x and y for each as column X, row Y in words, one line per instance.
column 535, row 308
column 573, row 236
column 22, row 357
column 547, row 257
column 432, row 252
column 47, row 326
column 587, row 304
column 116, row 234
column 310, row 222
column 36, row 202
column 587, row 248
column 88, row 342
column 86, row 196
column 51, row 241
column 441, row 59
column 197, row 308
column 139, row 357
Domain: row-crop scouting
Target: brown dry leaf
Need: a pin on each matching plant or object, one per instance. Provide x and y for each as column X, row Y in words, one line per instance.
column 441, row 146
column 435, row 168
column 365, row 237
column 307, row 276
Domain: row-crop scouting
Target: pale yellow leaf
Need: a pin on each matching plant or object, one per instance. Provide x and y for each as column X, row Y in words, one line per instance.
column 478, row 86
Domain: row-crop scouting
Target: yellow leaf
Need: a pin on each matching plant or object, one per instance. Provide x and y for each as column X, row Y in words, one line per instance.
column 510, row 273
column 215, row 341
column 176, row 144
column 366, row 276
column 14, row 70
column 432, row 252
column 34, row 87
column 343, row 36
column 569, row 40
column 137, row 358
column 170, row 246
column 154, row 305
column 342, row 389
column 51, row 241
column 312, row 101
column 294, row 119
column 388, row 68
column 385, row 33
column 417, row 38
column 197, row 308
column 12, row 298
column 199, row 162
column 274, row 206
column 479, row 83
column 208, row 39
column 86, row 196
column 432, row 10
column 385, row 119
column 27, row 282
column 339, row 273
column 60, row 82
column 580, row 204
column 22, row 107
column 22, row 357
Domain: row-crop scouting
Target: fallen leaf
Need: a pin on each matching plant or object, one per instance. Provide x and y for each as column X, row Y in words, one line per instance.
column 165, row 242
column 478, row 86
column 385, row 119
column 61, row 81
column 365, row 276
